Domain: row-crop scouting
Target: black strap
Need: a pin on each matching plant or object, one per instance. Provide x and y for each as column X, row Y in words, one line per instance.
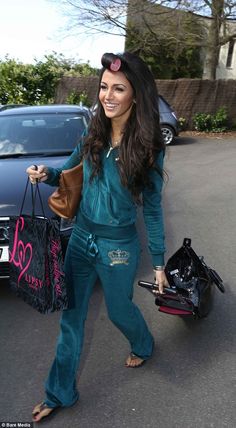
column 34, row 191
column 23, row 201
column 40, row 198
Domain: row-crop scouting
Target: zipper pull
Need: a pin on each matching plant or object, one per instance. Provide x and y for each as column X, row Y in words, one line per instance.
column 109, row 151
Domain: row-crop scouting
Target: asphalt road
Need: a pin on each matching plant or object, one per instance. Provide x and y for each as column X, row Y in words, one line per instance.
column 190, row 381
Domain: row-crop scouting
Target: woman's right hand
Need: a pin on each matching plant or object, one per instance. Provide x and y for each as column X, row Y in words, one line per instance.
column 37, row 175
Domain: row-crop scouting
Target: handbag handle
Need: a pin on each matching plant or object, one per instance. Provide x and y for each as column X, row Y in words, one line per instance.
column 34, row 193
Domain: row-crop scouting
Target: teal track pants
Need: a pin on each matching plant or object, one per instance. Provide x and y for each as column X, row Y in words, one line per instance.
column 114, row 262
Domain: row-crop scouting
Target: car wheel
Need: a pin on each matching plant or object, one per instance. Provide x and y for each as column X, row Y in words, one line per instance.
column 167, row 133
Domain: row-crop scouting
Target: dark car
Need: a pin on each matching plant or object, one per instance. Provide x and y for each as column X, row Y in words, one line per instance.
column 34, row 135
column 168, row 120
column 8, row 106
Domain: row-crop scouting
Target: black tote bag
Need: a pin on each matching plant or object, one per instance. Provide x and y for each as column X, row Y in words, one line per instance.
column 36, row 260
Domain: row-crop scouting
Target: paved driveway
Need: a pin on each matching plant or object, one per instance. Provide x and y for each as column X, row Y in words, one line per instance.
column 190, row 381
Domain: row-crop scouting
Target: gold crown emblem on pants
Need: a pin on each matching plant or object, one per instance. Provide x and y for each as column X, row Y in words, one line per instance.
column 118, row 257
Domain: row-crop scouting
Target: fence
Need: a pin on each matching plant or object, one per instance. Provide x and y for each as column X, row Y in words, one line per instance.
column 186, row 96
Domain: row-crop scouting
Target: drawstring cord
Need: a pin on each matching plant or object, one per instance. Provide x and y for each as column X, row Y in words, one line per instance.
column 91, row 248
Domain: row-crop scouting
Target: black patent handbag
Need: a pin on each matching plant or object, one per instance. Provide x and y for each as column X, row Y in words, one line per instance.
column 191, row 284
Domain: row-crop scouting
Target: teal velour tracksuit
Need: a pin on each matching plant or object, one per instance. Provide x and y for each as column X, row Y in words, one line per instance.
column 104, row 244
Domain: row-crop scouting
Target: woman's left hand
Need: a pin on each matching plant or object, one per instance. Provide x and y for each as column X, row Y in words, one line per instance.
column 160, row 280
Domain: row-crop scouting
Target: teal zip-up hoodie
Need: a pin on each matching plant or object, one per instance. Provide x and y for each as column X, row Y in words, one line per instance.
column 105, row 201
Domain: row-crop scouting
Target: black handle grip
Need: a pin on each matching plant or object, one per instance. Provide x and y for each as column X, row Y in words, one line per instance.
column 154, row 287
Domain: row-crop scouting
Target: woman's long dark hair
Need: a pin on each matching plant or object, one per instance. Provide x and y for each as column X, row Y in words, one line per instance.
column 142, row 138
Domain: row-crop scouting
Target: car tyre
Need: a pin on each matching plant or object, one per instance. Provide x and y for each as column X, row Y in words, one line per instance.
column 168, row 134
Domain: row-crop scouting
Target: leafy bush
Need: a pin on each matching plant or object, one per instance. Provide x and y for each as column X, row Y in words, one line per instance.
column 202, row 122
column 76, row 98
column 211, row 122
column 220, row 120
column 36, row 83
column 182, row 123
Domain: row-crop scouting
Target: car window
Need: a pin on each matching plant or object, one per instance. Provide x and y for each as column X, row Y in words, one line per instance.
column 40, row 133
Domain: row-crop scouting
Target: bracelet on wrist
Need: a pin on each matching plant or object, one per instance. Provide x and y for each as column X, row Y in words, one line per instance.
column 158, row 268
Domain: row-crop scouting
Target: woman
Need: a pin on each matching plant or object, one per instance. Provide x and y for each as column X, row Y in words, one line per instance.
column 123, row 162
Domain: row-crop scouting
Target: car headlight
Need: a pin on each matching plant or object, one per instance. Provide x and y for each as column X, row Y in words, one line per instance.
column 66, row 224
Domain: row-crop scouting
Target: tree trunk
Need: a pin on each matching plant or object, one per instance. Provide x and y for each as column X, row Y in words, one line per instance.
column 213, row 45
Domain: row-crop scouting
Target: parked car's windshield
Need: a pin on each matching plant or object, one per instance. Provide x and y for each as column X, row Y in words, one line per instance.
column 40, row 133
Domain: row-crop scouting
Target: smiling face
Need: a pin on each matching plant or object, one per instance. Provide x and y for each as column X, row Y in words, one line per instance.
column 116, row 96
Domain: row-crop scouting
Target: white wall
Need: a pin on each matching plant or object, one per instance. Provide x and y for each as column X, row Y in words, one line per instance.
column 222, row 71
